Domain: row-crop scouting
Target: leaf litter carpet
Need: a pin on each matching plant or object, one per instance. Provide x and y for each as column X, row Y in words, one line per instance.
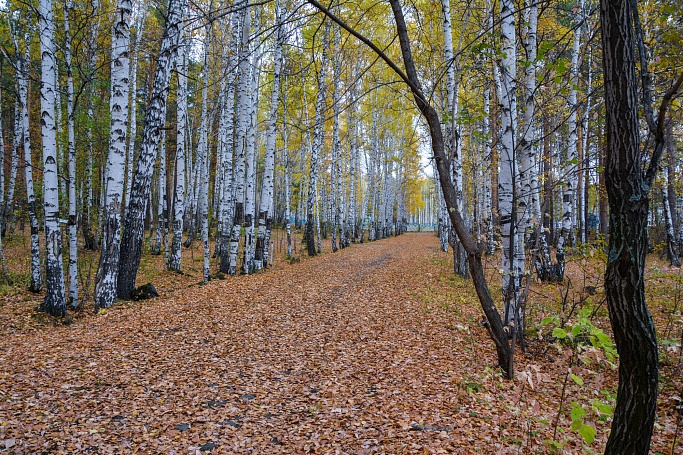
column 343, row 353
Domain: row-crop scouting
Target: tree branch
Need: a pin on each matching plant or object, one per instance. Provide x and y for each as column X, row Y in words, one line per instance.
column 659, row 131
column 644, row 73
column 415, row 89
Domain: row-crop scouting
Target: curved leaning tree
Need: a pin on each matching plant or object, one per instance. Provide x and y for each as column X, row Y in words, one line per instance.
column 628, row 186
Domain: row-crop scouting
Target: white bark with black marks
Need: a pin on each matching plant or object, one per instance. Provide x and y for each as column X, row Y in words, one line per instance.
column 55, row 298
column 512, row 267
column 36, row 284
column 571, row 175
column 227, row 204
column 336, row 196
column 3, row 263
column 250, row 156
column 317, row 148
column 243, row 109
column 202, row 162
column 72, row 227
column 130, row 146
column 107, row 273
column 181, row 132
column 265, row 211
column 155, row 116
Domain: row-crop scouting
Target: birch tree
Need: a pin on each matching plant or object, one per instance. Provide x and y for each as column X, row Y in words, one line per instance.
column 243, row 98
column 227, row 205
column 265, row 216
column 452, row 131
column 336, row 190
column 160, row 235
column 288, row 179
column 250, row 155
column 107, row 272
column 571, row 169
column 133, row 117
column 155, row 116
column 72, row 226
column 512, row 267
column 352, row 128
column 528, row 209
column 318, row 142
column 203, row 160
column 2, row 185
column 36, row 284
column 87, row 202
column 224, row 153
column 55, row 299
column 181, row 129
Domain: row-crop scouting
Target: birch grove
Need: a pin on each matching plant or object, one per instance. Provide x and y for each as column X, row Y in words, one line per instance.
column 229, row 137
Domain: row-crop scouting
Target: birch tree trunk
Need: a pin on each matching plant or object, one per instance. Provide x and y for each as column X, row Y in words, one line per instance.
column 229, row 177
column 55, row 298
column 318, row 143
column 583, row 227
column 265, row 215
column 155, row 116
column 512, row 268
column 72, row 227
column 87, row 202
column 571, row 168
column 7, row 210
column 352, row 126
column 337, row 208
column 160, row 234
column 181, row 129
column 36, row 284
column 2, row 186
column 243, row 109
column 222, row 152
column 203, row 161
column 528, row 166
column 108, row 270
column 288, row 176
column 452, row 135
column 488, row 196
column 671, row 253
column 288, row 179
column 250, row 157
column 133, row 117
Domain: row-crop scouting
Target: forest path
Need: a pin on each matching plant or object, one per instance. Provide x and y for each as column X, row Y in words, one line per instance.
column 345, row 352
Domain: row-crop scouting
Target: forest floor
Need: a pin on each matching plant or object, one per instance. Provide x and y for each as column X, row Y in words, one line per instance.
column 377, row 348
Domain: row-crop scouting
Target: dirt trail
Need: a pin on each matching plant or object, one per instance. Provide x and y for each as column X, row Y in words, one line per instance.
column 342, row 353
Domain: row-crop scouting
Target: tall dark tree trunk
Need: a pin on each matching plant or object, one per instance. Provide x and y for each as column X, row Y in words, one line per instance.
column 155, row 117
column 627, row 190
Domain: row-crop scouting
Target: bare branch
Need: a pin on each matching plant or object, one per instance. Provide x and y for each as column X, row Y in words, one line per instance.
column 659, row 131
column 415, row 89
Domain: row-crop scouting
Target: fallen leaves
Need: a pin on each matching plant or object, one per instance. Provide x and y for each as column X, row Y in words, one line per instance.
column 353, row 352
